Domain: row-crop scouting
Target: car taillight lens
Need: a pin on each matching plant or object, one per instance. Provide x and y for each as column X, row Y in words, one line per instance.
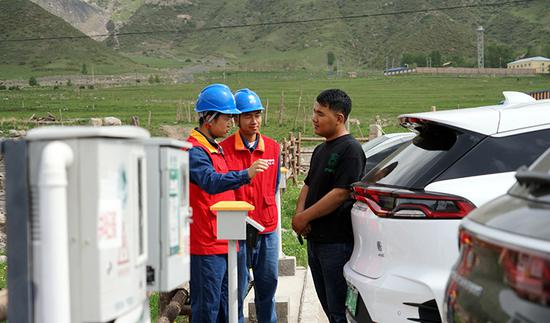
column 396, row 203
column 527, row 274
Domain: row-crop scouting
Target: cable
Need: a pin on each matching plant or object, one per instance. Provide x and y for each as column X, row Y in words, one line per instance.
column 275, row 23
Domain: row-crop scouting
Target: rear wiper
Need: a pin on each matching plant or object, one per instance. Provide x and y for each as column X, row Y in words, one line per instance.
column 527, row 177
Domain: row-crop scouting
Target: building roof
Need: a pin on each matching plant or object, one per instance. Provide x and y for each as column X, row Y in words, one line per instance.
column 531, row 59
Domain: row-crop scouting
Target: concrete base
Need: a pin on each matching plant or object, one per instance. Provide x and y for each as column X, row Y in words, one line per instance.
column 287, row 266
column 296, row 300
column 281, row 308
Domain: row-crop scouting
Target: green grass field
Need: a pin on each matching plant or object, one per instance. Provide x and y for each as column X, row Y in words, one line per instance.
column 375, row 95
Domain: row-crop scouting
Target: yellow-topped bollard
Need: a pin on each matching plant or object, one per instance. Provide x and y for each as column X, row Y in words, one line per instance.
column 232, row 219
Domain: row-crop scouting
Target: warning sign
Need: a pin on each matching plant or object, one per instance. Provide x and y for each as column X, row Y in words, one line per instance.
column 109, row 224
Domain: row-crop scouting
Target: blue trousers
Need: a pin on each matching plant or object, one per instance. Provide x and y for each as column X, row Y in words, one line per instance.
column 264, row 262
column 209, row 288
column 326, row 262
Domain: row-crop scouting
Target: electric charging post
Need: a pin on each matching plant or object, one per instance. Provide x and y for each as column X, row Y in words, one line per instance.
column 232, row 220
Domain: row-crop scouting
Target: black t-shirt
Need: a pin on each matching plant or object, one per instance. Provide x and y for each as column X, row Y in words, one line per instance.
column 334, row 164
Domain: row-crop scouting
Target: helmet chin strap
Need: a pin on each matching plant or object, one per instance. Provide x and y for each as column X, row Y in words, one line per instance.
column 209, row 122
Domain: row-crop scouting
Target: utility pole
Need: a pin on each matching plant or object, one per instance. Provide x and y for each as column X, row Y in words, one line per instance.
column 480, row 48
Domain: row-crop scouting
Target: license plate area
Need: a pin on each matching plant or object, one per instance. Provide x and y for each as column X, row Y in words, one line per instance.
column 351, row 300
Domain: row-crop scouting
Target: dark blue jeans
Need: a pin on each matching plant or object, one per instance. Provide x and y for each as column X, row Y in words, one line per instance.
column 209, row 288
column 326, row 262
column 265, row 268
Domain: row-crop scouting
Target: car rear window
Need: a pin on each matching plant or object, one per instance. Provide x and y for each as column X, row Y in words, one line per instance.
column 373, row 160
column 500, row 154
column 430, row 153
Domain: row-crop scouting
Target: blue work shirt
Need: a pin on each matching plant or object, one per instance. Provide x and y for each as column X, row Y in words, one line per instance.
column 202, row 172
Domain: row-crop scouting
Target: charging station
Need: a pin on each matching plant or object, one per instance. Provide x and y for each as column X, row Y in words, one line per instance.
column 169, row 260
column 76, row 201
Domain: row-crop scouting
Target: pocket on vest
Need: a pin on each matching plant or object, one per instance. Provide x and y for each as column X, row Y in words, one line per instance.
column 270, row 215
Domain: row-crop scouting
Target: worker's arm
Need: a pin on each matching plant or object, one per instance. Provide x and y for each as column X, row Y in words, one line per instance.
column 202, row 173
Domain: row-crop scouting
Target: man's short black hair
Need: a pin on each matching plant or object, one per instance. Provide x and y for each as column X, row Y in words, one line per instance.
column 336, row 100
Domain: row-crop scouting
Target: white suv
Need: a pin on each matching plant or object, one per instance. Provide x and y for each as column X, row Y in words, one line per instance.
column 408, row 208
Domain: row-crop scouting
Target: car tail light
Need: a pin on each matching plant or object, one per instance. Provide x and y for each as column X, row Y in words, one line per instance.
column 528, row 274
column 411, row 122
column 396, row 203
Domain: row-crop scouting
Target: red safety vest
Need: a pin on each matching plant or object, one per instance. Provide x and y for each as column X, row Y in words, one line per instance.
column 204, row 226
column 261, row 190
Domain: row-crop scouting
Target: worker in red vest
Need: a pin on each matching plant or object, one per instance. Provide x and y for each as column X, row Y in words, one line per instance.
column 211, row 182
column 243, row 148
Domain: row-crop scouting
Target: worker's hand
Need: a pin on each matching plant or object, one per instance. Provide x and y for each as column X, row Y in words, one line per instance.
column 300, row 224
column 257, row 167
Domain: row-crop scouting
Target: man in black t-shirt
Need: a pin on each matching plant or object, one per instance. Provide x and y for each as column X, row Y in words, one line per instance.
column 323, row 210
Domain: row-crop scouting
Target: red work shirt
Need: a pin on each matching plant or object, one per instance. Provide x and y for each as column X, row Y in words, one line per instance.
column 261, row 190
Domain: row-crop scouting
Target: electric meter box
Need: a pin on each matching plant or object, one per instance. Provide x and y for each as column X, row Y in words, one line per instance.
column 107, row 219
column 169, row 260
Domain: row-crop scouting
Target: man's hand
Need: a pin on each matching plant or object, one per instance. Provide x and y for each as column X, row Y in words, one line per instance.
column 300, row 224
column 257, row 167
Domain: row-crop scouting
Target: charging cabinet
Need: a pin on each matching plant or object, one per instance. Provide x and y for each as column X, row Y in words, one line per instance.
column 169, row 260
column 76, row 197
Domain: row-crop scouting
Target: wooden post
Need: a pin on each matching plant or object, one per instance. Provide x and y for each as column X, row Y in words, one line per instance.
column 266, row 110
column 60, row 117
column 293, row 162
column 281, row 108
column 299, row 153
column 434, row 108
column 286, row 160
column 298, row 110
column 149, row 120
column 135, row 121
column 189, row 112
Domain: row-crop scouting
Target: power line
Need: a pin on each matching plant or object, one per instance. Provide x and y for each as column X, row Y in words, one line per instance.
column 275, row 23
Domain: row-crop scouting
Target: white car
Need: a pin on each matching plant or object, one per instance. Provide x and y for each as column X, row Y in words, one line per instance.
column 408, row 208
column 381, row 147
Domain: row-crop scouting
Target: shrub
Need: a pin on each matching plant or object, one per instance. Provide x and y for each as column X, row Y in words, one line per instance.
column 33, row 81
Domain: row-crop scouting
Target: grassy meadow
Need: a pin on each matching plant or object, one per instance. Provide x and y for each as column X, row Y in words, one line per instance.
column 386, row 97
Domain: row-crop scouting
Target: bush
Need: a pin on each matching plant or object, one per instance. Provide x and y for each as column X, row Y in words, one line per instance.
column 14, row 88
column 91, row 87
column 56, row 87
column 82, row 87
column 33, row 81
column 69, row 83
column 3, row 87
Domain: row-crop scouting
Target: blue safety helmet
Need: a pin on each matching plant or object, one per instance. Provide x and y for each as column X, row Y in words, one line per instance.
column 248, row 101
column 217, row 98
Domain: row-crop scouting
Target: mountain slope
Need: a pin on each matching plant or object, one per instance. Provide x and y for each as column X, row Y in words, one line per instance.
column 361, row 42
column 22, row 19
